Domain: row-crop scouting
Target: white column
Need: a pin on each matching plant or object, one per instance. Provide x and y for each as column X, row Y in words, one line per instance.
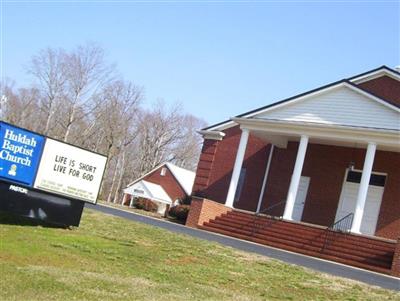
column 271, row 151
column 294, row 183
column 363, row 189
column 237, row 168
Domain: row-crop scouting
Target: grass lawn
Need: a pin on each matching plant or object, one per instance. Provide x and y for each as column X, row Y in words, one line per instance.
column 108, row 258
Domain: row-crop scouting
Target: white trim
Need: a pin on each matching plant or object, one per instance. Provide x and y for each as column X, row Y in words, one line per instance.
column 148, row 194
column 188, row 176
column 223, row 126
column 379, row 173
column 369, row 76
column 260, row 199
column 340, row 203
column 383, row 137
column 297, row 204
column 146, row 174
column 373, row 97
column 295, row 181
column 363, row 189
column 322, row 91
column 378, row 73
column 213, row 135
column 168, row 165
column 237, row 168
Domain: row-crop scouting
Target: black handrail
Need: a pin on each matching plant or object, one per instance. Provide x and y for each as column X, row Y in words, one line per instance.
column 264, row 211
column 257, row 214
column 342, row 225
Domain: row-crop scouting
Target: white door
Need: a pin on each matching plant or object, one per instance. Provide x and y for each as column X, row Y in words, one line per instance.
column 300, row 198
column 348, row 200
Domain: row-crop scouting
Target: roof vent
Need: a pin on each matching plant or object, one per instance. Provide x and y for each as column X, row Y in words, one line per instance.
column 397, row 68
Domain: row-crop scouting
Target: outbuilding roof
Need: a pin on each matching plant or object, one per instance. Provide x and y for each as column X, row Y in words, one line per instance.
column 184, row 177
column 148, row 190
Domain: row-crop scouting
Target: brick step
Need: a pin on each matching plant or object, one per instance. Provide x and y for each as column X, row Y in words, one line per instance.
column 306, row 246
column 338, row 238
column 317, row 241
column 296, row 250
column 268, row 224
column 251, row 218
column 385, row 245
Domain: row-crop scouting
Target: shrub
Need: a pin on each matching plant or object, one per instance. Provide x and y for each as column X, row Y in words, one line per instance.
column 180, row 212
column 145, row 204
column 187, row 200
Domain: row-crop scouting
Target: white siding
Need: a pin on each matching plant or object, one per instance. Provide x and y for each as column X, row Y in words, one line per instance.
column 341, row 106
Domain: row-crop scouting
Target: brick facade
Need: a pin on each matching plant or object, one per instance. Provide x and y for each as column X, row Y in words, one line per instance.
column 203, row 210
column 168, row 182
column 324, row 164
column 220, row 169
column 384, row 87
column 396, row 260
column 204, row 167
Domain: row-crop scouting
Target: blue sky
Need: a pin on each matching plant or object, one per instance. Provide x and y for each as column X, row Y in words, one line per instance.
column 218, row 59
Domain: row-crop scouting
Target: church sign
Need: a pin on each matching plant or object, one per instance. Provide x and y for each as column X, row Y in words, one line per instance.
column 20, row 153
column 70, row 171
column 46, row 179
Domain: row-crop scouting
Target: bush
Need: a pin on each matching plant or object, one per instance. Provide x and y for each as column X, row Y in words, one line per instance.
column 145, row 204
column 187, row 200
column 180, row 212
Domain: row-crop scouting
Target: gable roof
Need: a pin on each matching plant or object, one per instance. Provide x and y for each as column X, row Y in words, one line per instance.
column 149, row 190
column 341, row 105
column 380, row 71
column 374, row 73
column 184, row 177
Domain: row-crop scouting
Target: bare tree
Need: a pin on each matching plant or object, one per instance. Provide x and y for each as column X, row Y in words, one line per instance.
column 116, row 114
column 186, row 152
column 168, row 135
column 86, row 72
column 20, row 106
column 48, row 70
column 76, row 96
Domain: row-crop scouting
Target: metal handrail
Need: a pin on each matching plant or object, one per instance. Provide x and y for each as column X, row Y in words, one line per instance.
column 270, row 207
column 264, row 211
column 342, row 225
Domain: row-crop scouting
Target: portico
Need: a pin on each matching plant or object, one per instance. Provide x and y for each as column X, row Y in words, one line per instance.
column 330, row 116
column 280, row 133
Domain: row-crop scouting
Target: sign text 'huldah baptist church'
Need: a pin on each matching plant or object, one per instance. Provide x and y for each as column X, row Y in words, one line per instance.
column 46, row 164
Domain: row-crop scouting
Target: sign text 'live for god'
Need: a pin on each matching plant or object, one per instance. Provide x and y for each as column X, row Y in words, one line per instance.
column 35, row 161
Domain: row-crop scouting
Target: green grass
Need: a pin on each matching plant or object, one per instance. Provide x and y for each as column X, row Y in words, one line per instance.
column 108, row 258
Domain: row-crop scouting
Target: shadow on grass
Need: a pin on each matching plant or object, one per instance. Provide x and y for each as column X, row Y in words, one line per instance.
column 7, row 218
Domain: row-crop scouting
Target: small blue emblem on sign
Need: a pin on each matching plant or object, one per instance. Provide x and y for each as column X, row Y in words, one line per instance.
column 20, row 151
